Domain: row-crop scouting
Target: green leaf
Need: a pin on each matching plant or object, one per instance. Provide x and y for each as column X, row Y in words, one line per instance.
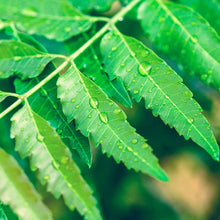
column 6, row 213
column 17, row 58
column 209, row 9
column 183, row 34
column 58, row 20
column 46, row 104
column 2, row 213
column 105, row 123
column 147, row 76
column 17, row 191
column 89, row 5
column 89, row 63
column 36, row 138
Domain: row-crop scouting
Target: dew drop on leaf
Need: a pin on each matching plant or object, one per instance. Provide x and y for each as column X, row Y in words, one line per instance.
column 117, row 110
column 77, row 106
column 31, row 12
column 135, row 91
column 40, row 137
column 144, row 68
column 114, row 48
column 190, row 120
column 17, row 58
column 46, row 177
column 103, row 117
column 145, row 146
column 55, row 165
column 194, row 39
column 120, row 147
column 128, row 70
column 67, row 29
column 134, row 141
column 122, row 64
column 73, row 100
column 144, row 53
column 93, row 102
column 64, row 160
column 43, row 92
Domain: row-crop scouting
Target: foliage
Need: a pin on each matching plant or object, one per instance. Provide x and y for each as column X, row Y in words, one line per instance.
column 63, row 104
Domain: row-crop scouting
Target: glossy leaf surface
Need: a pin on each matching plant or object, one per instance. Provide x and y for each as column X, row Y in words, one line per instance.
column 100, row 118
column 147, row 76
column 36, row 138
column 183, row 34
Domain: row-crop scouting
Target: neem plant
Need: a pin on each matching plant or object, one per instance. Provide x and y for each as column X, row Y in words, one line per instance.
column 65, row 103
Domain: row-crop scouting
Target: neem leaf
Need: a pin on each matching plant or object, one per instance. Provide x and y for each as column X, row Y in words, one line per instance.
column 17, row 58
column 146, row 76
column 183, row 34
column 54, row 19
column 17, row 191
column 36, row 138
column 105, row 123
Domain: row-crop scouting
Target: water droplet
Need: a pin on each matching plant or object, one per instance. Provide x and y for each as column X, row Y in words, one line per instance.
column 89, row 116
column 144, row 68
column 204, row 77
column 110, row 103
column 190, row 120
column 55, row 165
column 67, row 29
column 136, row 92
column 40, row 137
column 130, row 149
column 193, row 23
column 46, row 177
column 38, row 56
column 117, row 111
column 150, row 91
column 134, row 141
column 128, row 70
column 145, row 146
column 103, row 117
column 132, row 54
column 194, row 39
column 73, row 100
column 29, row 12
column 144, row 53
column 121, row 19
column 77, row 106
column 69, row 185
column 135, row 160
column 26, row 140
column 109, row 56
column 114, row 48
column 133, row 80
column 17, row 58
column 120, row 147
column 93, row 102
column 64, row 160
column 122, row 64
column 209, row 71
column 161, row 19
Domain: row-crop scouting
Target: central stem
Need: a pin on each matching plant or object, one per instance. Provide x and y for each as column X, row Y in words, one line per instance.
column 111, row 22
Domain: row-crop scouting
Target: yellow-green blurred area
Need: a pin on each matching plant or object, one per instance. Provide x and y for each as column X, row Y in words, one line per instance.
column 193, row 189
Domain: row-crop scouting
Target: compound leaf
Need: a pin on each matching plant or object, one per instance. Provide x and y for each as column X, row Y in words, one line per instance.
column 100, row 118
column 147, row 76
column 58, row 20
column 36, row 138
column 17, row 191
column 17, row 58
column 183, row 34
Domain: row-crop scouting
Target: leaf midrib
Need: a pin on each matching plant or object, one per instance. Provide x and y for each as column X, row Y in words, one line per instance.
column 53, row 159
column 151, row 79
column 125, row 145
column 176, row 20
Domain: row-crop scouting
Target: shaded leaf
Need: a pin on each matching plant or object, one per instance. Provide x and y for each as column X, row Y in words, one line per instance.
column 3, row 96
column 147, row 76
column 17, row 191
column 100, row 118
column 89, row 63
column 58, row 20
column 36, row 138
column 17, row 58
column 183, row 34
